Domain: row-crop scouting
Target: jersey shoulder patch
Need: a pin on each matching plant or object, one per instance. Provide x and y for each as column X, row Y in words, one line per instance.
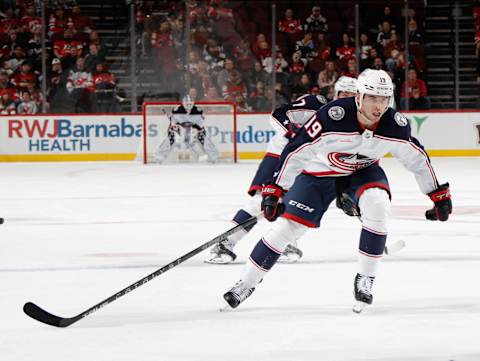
column 336, row 112
column 322, row 100
column 400, row 119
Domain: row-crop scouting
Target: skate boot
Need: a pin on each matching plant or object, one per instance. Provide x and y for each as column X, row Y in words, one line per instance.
column 363, row 292
column 238, row 294
column 222, row 253
column 291, row 255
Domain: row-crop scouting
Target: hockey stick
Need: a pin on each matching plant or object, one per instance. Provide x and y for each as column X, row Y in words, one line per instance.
column 41, row 315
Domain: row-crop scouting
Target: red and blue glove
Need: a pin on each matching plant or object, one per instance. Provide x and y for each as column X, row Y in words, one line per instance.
column 271, row 205
column 442, row 204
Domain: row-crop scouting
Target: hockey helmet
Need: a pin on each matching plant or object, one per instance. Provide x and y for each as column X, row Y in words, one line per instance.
column 374, row 82
column 345, row 84
column 188, row 103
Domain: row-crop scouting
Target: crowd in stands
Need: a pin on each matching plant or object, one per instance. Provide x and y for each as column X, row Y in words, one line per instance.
column 231, row 52
column 476, row 16
column 230, row 58
column 77, row 76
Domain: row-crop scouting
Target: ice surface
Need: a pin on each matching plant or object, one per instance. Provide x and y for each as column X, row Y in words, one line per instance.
column 77, row 233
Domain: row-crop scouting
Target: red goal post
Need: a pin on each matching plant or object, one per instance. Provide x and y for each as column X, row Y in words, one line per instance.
column 220, row 122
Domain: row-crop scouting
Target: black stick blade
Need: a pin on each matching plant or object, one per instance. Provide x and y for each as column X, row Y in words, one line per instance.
column 43, row 316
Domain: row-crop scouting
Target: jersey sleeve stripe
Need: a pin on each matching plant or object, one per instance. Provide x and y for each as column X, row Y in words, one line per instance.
column 279, row 123
column 282, row 170
column 420, row 150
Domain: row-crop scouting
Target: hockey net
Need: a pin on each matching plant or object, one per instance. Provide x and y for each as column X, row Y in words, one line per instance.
column 219, row 123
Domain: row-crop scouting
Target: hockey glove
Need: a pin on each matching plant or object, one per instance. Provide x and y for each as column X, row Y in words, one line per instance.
column 347, row 205
column 271, row 205
column 443, row 204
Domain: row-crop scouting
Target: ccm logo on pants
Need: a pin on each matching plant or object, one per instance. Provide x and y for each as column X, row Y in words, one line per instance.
column 301, row 206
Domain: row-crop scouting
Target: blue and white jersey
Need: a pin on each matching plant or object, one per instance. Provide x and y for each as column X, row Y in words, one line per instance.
column 333, row 143
column 180, row 116
column 290, row 117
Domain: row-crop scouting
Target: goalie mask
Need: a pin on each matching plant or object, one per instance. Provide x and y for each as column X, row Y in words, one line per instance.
column 188, row 103
column 374, row 82
column 345, row 84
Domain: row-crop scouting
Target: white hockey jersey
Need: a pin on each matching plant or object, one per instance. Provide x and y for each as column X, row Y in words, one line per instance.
column 289, row 117
column 332, row 143
column 180, row 116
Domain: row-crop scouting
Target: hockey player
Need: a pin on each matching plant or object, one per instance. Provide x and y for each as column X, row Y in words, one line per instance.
column 286, row 121
column 345, row 138
column 185, row 132
column 345, row 87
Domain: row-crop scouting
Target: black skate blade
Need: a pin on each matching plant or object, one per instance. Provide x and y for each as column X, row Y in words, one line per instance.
column 232, row 301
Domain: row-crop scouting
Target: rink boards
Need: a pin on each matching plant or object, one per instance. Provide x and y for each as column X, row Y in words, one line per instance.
column 73, row 137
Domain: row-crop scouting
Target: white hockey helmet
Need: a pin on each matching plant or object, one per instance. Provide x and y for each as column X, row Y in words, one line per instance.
column 188, row 102
column 345, row 84
column 374, row 82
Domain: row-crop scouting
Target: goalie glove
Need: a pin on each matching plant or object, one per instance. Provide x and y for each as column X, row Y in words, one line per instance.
column 442, row 204
column 271, row 205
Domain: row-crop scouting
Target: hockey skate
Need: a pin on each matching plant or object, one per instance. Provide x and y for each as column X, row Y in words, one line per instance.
column 222, row 253
column 291, row 255
column 363, row 292
column 237, row 294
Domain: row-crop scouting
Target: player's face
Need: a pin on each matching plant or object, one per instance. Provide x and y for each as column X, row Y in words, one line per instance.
column 373, row 107
column 346, row 95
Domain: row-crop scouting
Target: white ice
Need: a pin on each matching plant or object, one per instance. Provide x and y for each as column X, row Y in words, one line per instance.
column 75, row 233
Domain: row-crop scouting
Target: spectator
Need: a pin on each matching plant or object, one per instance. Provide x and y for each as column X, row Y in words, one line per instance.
column 351, row 71
column 289, row 25
column 242, row 105
column 5, row 85
column 80, row 85
column 81, row 22
column 394, row 43
column 297, row 66
column 387, row 16
column 259, row 46
column 323, row 47
column 224, row 74
column 57, row 96
column 414, row 35
column 306, row 47
column 94, row 38
column 327, row 79
column 347, row 50
column 378, row 64
column 243, row 55
column 413, row 82
column 7, row 103
column 365, row 47
column 204, row 76
column 417, row 101
column 281, row 65
column 18, row 57
column 316, row 22
column 25, row 76
column 395, row 61
column 26, row 105
column 383, row 37
column 256, row 75
column 233, row 87
column 302, row 86
column 258, row 99
column 212, row 95
column 214, row 56
column 104, row 84
column 30, row 21
column 280, row 95
column 92, row 58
